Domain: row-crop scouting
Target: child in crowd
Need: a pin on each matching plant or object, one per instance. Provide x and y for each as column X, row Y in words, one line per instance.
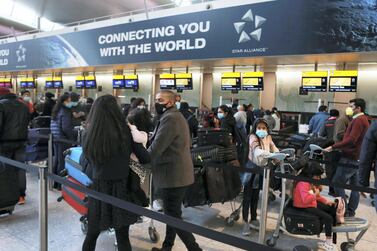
column 307, row 197
column 260, row 146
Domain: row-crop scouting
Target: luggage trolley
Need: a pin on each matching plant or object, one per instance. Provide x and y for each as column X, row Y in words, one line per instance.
column 351, row 225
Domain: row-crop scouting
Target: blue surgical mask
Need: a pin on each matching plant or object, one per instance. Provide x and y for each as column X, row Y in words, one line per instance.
column 220, row 115
column 68, row 105
column 75, row 104
column 261, row 133
column 141, row 106
column 178, row 105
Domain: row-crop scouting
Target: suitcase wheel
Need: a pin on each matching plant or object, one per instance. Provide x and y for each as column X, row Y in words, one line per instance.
column 347, row 246
column 84, row 226
column 271, row 241
column 153, row 235
column 60, row 199
column 229, row 221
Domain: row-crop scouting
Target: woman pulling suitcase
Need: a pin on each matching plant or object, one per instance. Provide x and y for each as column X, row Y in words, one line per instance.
column 108, row 145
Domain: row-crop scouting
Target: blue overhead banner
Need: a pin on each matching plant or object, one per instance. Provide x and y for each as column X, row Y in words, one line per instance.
column 273, row 28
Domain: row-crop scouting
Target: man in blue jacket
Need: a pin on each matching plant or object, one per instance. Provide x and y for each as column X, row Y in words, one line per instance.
column 368, row 156
column 318, row 120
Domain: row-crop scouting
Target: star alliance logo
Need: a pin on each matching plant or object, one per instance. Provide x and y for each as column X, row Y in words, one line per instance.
column 21, row 53
column 247, row 19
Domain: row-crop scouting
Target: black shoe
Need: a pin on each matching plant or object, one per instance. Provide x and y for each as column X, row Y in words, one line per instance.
column 162, row 249
column 349, row 214
column 333, row 194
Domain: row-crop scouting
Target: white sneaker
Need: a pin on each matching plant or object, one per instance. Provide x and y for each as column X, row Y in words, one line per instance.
column 254, row 224
column 327, row 246
column 157, row 205
column 246, row 229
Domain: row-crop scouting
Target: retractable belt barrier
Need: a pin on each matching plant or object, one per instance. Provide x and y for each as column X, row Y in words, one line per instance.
column 174, row 222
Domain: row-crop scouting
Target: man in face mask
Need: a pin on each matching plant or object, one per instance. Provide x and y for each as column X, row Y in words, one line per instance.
column 178, row 101
column 173, row 170
column 26, row 99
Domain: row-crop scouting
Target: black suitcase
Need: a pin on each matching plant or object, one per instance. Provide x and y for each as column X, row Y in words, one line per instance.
column 214, row 137
column 9, row 188
column 41, row 122
column 215, row 182
column 299, row 222
column 196, row 194
column 33, row 136
column 215, row 153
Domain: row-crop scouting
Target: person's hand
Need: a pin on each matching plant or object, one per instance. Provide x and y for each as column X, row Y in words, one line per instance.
column 331, row 203
column 328, row 149
column 317, row 192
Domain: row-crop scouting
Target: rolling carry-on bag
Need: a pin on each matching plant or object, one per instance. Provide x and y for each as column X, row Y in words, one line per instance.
column 77, row 200
column 74, row 167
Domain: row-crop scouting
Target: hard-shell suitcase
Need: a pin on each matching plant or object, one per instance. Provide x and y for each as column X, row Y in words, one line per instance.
column 214, row 137
column 196, row 194
column 77, row 200
column 9, row 188
column 73, row 167
column 34, row 133
column 299, row 222
column 41, row 122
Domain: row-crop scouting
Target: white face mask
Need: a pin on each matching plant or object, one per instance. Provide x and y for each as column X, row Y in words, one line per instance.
column 27, row 99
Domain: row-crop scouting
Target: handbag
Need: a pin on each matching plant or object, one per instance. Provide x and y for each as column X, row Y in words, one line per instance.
column 139, row 169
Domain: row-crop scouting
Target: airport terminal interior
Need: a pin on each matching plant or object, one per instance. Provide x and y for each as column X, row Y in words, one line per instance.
column 291, row 61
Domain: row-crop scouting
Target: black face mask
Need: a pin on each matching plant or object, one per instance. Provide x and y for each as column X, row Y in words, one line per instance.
column 160, row 108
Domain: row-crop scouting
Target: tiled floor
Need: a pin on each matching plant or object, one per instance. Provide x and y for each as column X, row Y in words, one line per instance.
column 19, row 231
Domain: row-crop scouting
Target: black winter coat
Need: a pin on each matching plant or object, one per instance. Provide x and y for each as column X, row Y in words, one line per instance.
column 192, row 122
column 368, row 154
column 47, row 107
column 228, row 123
column 14, row 120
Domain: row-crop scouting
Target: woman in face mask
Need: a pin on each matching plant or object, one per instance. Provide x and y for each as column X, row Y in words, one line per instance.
column 260, row 146
column 62, row 128
column 226, row 119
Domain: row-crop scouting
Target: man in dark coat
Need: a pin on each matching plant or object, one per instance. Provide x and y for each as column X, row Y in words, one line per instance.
column 173, row 170
column 190, row 118
column 14, row 120
column 49, row 104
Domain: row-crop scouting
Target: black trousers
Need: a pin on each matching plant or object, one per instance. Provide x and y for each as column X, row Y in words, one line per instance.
column 122, row 235
column 58, row 159
column 18, row 155
column 326, row 215
column 250, row 201
column 172, row 199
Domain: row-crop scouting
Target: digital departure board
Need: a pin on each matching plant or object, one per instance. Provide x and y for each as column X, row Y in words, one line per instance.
column 90, row 82
column 183, row 81
column 167, row 81
column 231, row 81
column 27, row 83
column 252, row 81
column 6, row 83
column 80, row 82
column 131, row 82
column 314, row 81
column 118, row 82
column 57, row 82
column 343, row 81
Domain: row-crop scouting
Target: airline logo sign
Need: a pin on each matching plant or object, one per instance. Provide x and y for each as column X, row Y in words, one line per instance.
column 247, row 21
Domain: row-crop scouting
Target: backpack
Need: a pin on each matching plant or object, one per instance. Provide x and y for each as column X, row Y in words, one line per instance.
column 340, row 210
column 242, row 145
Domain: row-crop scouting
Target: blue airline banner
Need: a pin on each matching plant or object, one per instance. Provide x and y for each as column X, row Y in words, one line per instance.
column 272, row 28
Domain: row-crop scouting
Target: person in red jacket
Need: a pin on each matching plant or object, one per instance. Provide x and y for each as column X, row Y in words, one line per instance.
column 307, row 198
column 350, row 146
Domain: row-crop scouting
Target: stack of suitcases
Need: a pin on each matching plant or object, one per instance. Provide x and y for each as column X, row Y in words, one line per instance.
column 37, row 148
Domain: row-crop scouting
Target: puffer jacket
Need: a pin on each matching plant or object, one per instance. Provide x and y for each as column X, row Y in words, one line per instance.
column 61, row 126
column 368, row 155
column 14, row 120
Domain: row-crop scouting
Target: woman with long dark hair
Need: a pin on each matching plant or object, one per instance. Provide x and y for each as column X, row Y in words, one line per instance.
column 227, row 121
column 62, row 128
column 108, row 145
column 260, row 146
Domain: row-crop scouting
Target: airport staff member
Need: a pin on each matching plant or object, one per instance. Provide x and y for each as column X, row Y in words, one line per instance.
column 173, row 170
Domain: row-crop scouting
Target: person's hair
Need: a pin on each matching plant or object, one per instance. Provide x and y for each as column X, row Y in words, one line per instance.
column 255, row 125
column 184, row 106
column 226, row 109
column 359, row 102
column 24, row 92
column 49, row 95
column 141, row 118
column 132, row 100
column 170, row 95
column 107, row 131
column 267, row 112
column 322, row 108
column 136, row 103
column 59, row 104
column 334, row 113
column 74, row 96
column 275, row 111
column 89, row 100
column 312, row 169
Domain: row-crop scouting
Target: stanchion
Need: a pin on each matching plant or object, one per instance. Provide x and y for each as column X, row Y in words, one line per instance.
column 43, row 223
column 263, row 211
column 50, row 160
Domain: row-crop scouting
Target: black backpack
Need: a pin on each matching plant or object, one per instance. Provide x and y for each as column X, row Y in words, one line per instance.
column 242, row 145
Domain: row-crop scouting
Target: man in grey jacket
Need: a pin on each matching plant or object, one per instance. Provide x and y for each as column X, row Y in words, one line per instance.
column 172, row 170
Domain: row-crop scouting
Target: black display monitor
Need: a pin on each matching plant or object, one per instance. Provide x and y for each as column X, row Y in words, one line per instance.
column 131, row 84
column 343, row 84
column 49, row 84
column 80, row 83
column 118, row 83
column 229, row 84
column 183, row 81
column 58, row 84
column 314, row 81
column 90, row 82
column 252, row 84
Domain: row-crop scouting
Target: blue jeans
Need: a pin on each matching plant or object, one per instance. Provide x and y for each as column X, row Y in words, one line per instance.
column 345, row 174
